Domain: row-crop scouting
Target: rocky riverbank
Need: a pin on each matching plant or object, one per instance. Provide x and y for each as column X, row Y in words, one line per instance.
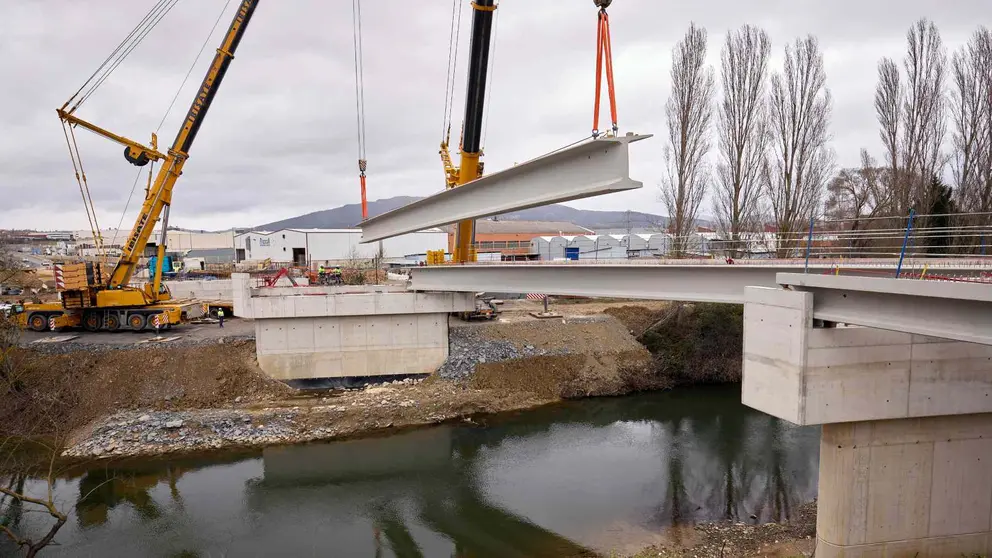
column 293, row 420
column 733, row 539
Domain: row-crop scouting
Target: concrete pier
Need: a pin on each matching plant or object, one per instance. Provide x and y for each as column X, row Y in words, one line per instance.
column 319, row 332
column 906, row 449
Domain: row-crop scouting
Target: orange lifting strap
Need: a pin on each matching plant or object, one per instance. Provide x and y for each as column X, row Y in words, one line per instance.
column 603, row 51
column 361, row 170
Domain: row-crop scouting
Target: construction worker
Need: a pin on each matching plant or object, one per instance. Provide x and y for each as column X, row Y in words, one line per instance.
column 321, row 273
column 220, row 316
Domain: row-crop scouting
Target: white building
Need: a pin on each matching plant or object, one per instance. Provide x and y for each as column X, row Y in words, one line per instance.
column 599, row 247
column 303, row 246
column 550, row 248
column 605, row 246
column 178, row 240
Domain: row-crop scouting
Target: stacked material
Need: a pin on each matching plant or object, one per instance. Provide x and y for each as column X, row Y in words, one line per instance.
column 80, row 276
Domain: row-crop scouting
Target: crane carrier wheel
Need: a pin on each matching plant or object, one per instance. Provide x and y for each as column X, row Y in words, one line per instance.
column 92, row 321
column 136, row 321
column 38, row 322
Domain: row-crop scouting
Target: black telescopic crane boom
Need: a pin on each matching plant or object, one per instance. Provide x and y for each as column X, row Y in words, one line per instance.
column 482, row 27
column 475, row 101
column 211, row 82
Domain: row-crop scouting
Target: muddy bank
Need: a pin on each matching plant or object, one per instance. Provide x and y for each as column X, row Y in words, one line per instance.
column 56, row 392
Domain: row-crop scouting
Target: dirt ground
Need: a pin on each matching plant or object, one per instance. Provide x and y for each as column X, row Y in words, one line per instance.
column 93, row 384
column 233, row 327
column 517, row 309
column 588, row 358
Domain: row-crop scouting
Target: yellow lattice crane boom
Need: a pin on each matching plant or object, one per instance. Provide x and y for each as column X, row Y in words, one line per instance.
column 92, row 294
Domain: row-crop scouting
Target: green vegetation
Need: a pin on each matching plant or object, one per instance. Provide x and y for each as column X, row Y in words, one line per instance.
column 698, row 343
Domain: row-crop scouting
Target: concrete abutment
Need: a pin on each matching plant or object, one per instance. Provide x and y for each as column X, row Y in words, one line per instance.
column 906, row 447
column 349, row 332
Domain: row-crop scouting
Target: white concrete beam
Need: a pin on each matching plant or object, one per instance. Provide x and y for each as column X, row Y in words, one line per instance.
column 592, row 168
column 950, row 310
column 703, row 283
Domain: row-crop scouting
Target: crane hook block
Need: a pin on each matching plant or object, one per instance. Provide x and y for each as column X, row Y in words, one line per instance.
column 136, row 157
column 602, row 4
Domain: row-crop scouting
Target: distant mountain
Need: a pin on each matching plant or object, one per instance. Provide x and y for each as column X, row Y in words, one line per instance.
column 347, row 216
column 590, row 219
column 344, row 217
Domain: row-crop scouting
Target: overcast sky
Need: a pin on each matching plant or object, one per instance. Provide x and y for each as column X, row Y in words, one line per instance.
column 280, row 139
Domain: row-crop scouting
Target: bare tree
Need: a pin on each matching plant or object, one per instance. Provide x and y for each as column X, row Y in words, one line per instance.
column 888, row 108
column 924, row 110
column 856, row 196
column 800, row 161
column 31, row 423
column 984, row 166
column 689, row 111
column 10, row 268
column 971, row 113
column 742, row 132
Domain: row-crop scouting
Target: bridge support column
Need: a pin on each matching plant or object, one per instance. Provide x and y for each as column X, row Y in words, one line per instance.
column 906, row 448
column 906, row 487
column 340, row 334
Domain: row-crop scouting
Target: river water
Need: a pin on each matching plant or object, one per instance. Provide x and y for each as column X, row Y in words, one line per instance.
column 576, row 479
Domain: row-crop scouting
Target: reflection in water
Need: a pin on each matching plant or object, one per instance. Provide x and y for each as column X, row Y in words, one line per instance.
column 549, row 482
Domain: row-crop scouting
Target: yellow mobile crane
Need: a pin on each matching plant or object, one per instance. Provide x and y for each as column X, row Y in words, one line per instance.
column 471, row 166
column 97, row 299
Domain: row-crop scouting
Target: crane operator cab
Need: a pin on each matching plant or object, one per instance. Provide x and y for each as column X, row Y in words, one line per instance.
column 163, row 291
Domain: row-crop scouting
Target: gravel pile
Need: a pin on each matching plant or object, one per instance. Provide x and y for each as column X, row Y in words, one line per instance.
column 471, row 346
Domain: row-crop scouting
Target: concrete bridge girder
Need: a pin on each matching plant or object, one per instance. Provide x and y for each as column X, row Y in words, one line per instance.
column 951, row 310
column 699, row 283
column 592, row 168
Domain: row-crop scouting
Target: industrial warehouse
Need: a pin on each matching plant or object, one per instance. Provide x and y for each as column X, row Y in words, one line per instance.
column 305, row 246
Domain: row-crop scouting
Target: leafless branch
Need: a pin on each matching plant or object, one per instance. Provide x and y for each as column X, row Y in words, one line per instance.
column 856, row 196
column 923, row 112
column 888, row 108
column 742, row 132
column 971, row 113
column 800, row 161
column 689, row 112
column 37, row 413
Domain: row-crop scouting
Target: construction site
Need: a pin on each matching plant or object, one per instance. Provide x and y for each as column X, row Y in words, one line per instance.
column 484, row 368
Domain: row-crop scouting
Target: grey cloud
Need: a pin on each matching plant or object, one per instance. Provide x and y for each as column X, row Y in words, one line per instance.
column 280, row 138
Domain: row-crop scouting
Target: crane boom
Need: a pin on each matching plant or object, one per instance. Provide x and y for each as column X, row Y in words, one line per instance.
column 160, row 194
column 470, row 167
